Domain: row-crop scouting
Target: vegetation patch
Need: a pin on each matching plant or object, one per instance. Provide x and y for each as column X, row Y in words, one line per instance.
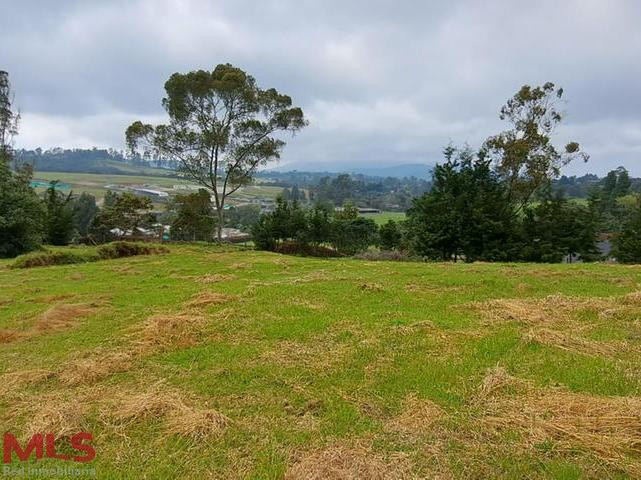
column 108, row 251
column 341, row 462
column 417, row 417
column 609, row 427
column 13, row 381
column 204, row 299
column 164, row 331
column 94, row 367
column 162, row 402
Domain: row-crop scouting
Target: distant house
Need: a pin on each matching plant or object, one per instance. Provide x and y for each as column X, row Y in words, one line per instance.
column 361, row 210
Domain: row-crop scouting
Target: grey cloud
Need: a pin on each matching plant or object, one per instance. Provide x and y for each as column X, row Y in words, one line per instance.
column 385, row 82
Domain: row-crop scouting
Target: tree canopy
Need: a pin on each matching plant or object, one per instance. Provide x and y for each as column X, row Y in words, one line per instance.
column 222, row 127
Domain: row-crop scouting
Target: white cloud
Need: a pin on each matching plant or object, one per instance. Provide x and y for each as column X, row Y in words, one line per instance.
column 386, row 82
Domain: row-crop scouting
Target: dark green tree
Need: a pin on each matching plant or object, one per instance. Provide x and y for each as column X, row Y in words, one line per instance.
column 21, row 211
column 127, row 213
column 84, row 210
column 22, row 215
column 351, row 236
column 556, row 228
column 319, row 224
column 194, row 219
column 222, row 128
column 390, row 235
column 60, row 219
column 627, row 244
column 243, row 217
column 467, row 213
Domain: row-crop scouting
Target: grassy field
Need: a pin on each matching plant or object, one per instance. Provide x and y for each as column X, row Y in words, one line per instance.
column 212, row 362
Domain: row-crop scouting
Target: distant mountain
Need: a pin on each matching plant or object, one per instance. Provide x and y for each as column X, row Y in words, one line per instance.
column 418, row 170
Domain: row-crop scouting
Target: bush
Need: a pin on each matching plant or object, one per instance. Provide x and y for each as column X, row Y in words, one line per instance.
column 128, row 249
column 104, row 252
column 46, row 259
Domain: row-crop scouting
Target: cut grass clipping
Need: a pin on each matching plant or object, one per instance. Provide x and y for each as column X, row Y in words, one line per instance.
column 104, row 252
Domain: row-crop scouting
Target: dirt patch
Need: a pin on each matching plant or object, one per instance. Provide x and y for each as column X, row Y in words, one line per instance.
column 95, row 367
column 341, row 462
column 204, row 299
column 417, row 417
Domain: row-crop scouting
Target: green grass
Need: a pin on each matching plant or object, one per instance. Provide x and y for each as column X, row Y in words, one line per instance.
column 306, row 356
column 384, row 217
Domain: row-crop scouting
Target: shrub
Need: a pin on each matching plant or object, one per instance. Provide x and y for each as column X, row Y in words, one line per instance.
column 128, row 249
column 104, row 252
column 47, row 258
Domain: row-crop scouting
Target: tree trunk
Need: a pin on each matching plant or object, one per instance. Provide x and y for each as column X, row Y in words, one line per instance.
column 219, row 227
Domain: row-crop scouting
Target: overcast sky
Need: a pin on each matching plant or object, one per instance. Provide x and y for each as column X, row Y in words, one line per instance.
column 382, row 82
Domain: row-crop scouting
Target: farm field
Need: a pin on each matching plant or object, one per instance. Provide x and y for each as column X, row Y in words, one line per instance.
column 95, row 183
column 220, row 362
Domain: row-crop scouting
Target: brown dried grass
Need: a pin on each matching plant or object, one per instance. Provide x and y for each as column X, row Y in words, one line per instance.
column 496, row 380
column 159, row 401
column 204, row 299
column 608, row 427
column 572, row 343
column 171, row 330
column 321, row 352
column 538, row 311
column 342, row 462
column 59, row 413
column 417, row 417
column 215, row 278
column 95, row 367
column 16, row 380
column 8, row 336
column 63, row 315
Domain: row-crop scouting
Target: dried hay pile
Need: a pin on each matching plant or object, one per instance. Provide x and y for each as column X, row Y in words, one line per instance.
column 161, row 332
column 341, row 462
column 160, row 401
column 608, row 427
column 417, row 418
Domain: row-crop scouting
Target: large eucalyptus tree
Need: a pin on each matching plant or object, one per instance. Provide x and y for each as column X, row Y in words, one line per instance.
column 222, row 127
